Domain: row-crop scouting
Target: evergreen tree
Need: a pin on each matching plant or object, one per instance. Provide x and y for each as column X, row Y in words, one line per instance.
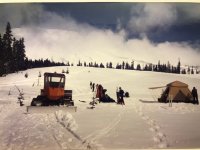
column 2, row 60
column 192, row 71
column 7, row 42
column 168, row 67
column 138, row 67
column 146, row 68
column 183, row 71
column 132, row 65
column 110, row 65
column 159, row 67
column 15, row 56
column 101, row 66
column 21, row 55
column 150, row 67
column 123, row 65
column 179, row 67
column 188, row 70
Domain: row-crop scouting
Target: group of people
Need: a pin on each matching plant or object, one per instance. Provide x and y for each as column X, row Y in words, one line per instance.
column 100, row 93
column 98, row 89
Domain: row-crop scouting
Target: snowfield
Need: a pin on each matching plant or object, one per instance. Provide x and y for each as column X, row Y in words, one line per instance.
column 142, row 123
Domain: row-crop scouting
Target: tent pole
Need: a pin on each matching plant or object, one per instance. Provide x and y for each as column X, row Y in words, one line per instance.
column 170, row 100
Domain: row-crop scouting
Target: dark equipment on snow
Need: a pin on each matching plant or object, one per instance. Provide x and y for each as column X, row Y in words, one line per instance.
column 106, row 98
column 126, row 94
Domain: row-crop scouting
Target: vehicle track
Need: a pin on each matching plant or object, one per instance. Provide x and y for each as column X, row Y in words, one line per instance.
column 93, row 137
column 52, row 127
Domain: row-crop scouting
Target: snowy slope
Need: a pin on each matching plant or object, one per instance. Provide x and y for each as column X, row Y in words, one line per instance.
column 137, row 125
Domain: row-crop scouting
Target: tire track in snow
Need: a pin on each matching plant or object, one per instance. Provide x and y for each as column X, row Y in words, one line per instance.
column 92, row 138
column 159, row 138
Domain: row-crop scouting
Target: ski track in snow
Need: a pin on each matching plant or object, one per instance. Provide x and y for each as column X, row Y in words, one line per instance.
column 93, row 137
column 159, row 138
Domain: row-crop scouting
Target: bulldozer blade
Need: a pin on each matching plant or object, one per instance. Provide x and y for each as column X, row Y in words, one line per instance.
column 50, row 109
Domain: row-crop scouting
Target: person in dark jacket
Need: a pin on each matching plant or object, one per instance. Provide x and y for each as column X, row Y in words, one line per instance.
column 93, row 87
column 99, row 91
column 195, row 96
column 121, row 96
column 117, row 94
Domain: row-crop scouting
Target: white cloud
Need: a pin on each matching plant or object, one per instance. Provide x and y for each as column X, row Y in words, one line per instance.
column 150, row 15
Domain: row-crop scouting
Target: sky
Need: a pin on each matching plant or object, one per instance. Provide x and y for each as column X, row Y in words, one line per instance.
column 106, row 32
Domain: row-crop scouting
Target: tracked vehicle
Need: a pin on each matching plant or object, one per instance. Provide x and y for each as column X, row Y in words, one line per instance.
column 53, row 93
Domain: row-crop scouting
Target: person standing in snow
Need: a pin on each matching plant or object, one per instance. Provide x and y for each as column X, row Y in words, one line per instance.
column 97, row 91
column 100, row 92
column 121, row 96
column 117, row 94
column 195, row 96
column 93, row 86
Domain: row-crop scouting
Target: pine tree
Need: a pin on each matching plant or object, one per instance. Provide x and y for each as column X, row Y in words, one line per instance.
column 188, row 70
column 132, row 65
column 192, row 71
column 2, row 60
column 21, row 55
column 123, row 65
column 138, row 67
column 7, row 42
column 168, row 67
column 110, row 65
column 159, row 67
column 14, row 53
column 179, row 67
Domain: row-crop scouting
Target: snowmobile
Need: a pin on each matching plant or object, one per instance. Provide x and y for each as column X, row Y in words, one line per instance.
column 52, row 95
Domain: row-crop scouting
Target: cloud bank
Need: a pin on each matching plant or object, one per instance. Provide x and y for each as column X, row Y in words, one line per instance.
column 102, row 46
column 49, row 35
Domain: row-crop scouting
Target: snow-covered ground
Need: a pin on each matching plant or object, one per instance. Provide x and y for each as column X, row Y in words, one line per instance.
column 142, row 123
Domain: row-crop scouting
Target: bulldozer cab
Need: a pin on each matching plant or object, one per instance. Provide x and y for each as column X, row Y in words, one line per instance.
column 53, row 86
column 54, row 80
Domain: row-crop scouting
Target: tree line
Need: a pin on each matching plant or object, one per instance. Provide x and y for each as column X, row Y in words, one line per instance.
column 167, row 68
column 13, row 57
